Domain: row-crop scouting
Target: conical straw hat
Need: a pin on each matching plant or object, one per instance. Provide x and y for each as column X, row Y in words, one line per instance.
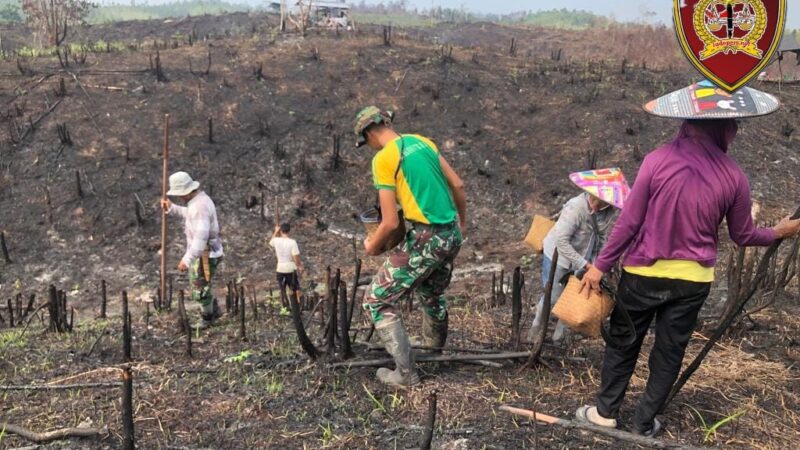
column 609, row 185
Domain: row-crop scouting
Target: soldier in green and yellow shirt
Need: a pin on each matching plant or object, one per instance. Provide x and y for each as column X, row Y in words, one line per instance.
column 409, row 170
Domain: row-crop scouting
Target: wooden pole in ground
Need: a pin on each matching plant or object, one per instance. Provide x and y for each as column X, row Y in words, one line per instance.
column 164, row 182
column 297, row 319
column 126, row 328
column 128, row 439
column 538, row 339
column 354, row 293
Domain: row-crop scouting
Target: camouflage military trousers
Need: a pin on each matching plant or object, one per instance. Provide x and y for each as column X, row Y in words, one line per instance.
column 201, row 289
column 422, row 264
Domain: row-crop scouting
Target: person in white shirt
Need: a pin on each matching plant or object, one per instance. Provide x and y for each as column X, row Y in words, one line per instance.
column 203, row 244
column 288, row 254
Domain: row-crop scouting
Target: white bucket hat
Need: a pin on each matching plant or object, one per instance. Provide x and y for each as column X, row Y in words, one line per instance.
column 180, row 184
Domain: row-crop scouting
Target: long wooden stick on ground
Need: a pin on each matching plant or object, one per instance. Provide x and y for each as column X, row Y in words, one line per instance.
column 726, row 322
column 435, row 358
column 41, row 438
column 164, row 181
column 611, row 432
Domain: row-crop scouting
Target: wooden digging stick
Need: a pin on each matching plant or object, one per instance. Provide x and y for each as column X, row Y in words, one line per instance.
column 611, row 432
column 164, row 181
column 277, row 213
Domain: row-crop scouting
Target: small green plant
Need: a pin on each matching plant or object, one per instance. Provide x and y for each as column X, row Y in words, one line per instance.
column 379, row 406
column 711, row 431
column 327, row 433
column 243, row 355
column 275, row 385
column 12, row 338
column 397, row 400
column 284, row 312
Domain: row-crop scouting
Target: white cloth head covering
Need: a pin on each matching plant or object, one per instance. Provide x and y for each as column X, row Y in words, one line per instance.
column 180, row 184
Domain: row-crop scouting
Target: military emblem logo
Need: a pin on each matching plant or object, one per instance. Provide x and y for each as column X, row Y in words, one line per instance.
column 729, row 41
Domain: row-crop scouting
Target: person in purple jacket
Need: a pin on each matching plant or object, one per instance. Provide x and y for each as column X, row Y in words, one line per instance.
column 667, row 238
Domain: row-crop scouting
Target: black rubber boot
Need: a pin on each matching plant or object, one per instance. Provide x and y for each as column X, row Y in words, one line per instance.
column 434, row 332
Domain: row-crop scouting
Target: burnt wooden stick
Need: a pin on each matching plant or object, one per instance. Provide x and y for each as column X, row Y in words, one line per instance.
column 626, row 436
column 302, row 337
column 538, row 340
column 331, row 330
column 31, row 301
column 210, row 130
column 254, row 303
column 228, row 298
column 494, row 289
column 162, row 281
column 52, row 307
column 138, row 211
column 20, row 312
column 313, row 311
column 3, row 247
column 78, row 184
column 103, row 300
column 126, row 328
column 71, row 318
column 146, row 316
column 516, row 307
column 182, row 319
column 157, row 300
column 501, row 293
column 242, row 310
column 728, row 319
column 430, row 423
column 354, row 293
column 128, row 439
column 10, row 312
column 344, row 322
column 169, row 297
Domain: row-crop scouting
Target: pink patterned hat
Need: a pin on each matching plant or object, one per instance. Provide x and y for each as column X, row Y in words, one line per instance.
column 609, row 185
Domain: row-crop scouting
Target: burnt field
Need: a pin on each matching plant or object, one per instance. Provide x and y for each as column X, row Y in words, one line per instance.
column 260, row 117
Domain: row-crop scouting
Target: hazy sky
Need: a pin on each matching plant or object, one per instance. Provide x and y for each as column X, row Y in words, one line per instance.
column 621, row 9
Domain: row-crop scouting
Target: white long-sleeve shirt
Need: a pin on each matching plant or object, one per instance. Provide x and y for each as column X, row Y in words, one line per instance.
column 201, row 227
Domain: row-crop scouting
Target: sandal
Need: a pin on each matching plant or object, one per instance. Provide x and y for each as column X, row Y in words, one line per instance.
column 653, row 431
column 589, row 414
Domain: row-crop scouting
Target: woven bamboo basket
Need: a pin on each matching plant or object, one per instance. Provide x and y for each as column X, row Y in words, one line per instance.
column 539, row 228
column 371, row 219
column 581, row 314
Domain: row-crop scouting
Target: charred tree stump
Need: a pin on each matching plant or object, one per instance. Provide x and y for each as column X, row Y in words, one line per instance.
column 128, row 439
column 229, row 298
column 344, row 323
column 516, row 307
column 103, row 299
column 512, row 49
column 430, row 423
column 302, row 337
column 4, row 248
column 336, row 155
column 538, row 340
column 126, row 328
column 210, row 130
column 331, row 330
column 494, row 290
column 29, row 308
column 387, row 35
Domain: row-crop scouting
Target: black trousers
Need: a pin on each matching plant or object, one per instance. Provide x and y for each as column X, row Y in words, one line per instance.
column 675, row 305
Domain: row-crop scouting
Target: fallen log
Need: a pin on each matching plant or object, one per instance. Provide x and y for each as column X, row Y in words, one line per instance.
column 434, row 358
column 54, row 435
column 610, row 432
column 47, row 387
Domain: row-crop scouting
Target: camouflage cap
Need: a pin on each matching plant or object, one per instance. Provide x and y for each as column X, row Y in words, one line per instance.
column 371, row 115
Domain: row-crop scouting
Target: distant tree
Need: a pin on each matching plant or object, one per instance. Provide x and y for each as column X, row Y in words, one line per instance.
column 53, row 18
column 10, row 13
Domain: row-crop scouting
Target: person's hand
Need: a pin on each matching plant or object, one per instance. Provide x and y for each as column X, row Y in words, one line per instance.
column 591, row 281
column 369, row 248
column 182, row 267
column 165, row 204
column 787, row 228
column 462, row 226
column 277, row 228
